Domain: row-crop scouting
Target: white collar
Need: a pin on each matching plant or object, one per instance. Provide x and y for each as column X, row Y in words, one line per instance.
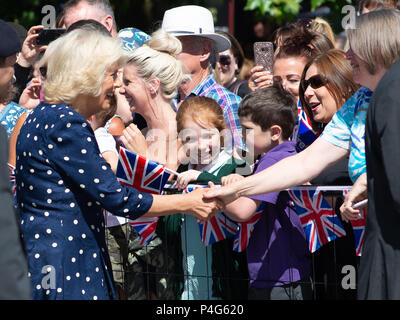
column 222, row 158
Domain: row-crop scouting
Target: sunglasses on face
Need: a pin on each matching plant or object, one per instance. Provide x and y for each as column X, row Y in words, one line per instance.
column 315, row 82
column 224, row 60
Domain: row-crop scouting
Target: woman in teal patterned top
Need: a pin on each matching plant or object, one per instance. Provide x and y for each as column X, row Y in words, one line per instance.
column 9, row 116
column 347, row 130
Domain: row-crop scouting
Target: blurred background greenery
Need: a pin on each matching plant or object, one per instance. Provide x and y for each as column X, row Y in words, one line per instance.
column 147, row 14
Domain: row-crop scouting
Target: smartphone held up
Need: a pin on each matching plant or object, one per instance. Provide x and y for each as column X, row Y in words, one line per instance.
column 264, row 54
column 48, row 35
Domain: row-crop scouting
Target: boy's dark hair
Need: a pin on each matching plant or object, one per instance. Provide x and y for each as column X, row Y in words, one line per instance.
column 270, row 106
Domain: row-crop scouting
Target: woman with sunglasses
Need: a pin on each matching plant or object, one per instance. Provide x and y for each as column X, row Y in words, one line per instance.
column 228, row 66
column 296, row 47
column 288, row 67
column 371, row 54
column 326, row 84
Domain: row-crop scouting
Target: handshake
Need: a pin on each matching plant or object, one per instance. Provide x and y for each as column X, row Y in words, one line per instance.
column 206, row 202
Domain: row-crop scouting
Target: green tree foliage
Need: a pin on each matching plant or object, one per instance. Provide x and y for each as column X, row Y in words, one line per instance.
column 279, row 10
column 25, row 12
column 286, row 10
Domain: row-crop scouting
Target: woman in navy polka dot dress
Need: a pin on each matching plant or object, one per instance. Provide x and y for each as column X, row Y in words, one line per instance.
column 63, row 182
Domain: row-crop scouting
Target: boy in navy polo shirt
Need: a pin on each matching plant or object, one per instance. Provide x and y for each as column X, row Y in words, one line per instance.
column 278, row 260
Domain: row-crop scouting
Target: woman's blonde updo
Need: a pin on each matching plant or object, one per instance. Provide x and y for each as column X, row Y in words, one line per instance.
column 160, row 59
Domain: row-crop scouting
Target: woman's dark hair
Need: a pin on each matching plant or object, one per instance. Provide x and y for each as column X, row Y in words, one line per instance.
column 301, row 50
column 295, row 34
column 286, row 32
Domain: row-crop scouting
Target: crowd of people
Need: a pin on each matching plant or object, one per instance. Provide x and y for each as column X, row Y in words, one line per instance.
column 180, row 97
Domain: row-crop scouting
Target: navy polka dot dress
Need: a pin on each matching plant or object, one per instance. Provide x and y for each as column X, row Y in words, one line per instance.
column 62, row 185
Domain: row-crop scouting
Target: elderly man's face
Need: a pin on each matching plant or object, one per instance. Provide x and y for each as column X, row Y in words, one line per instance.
column 84, row 11
column 6, row 74
column 192, row 49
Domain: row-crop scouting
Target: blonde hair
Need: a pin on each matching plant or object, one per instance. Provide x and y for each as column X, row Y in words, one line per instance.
column 322, row 26
column 376, row 38
column 76, row 64
column 160, row 59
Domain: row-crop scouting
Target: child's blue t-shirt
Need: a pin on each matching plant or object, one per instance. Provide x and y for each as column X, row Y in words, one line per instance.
column 277, row 253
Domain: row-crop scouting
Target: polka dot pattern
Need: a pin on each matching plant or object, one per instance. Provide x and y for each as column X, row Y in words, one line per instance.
column 64, row 184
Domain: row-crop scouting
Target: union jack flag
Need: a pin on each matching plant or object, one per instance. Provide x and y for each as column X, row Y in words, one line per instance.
column 245, row 230
column 137, row 172
column 303, row 132
column 189, row 188
column 320, row 223
column 145, row 227
column 217, row 228
column 358, row 228
column 145, row 176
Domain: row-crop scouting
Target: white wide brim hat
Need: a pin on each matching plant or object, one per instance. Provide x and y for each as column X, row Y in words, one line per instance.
column 193, row 21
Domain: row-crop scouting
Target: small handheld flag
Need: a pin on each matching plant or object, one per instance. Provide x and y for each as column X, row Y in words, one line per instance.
column 245, row 230
column 320, row 223
column 144, row 175
column 359, row 224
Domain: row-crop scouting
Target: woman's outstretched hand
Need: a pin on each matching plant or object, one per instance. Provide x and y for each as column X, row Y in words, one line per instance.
column 203, row 208
column 224, row 194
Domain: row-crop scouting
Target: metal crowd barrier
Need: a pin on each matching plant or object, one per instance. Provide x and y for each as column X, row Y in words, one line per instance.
column 155, row 270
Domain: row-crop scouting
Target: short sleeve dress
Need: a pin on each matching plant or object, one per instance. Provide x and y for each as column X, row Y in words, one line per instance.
column 62, row 185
